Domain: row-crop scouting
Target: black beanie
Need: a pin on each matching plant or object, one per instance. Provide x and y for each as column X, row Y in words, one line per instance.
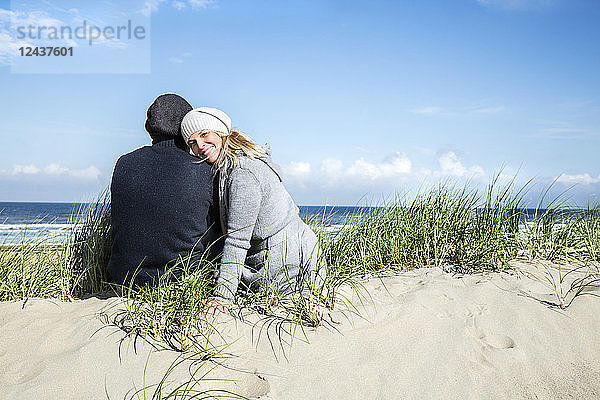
column 164, row 116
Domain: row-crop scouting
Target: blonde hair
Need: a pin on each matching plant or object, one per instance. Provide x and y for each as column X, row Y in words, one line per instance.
column 235, row 144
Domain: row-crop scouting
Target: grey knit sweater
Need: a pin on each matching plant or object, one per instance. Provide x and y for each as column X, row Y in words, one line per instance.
column 254, row 206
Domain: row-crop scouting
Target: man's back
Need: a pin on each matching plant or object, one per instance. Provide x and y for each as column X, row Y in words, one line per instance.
column 161, row 208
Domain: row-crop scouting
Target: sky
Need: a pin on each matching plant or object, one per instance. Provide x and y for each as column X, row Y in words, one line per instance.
column 358, row 100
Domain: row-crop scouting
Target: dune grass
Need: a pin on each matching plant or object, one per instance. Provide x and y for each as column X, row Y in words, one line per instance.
column 451, row 226
column 34, row 269
column 198, row 370
column 89, row 245
column 170, row 312
column 36, row 265
column 445, row 226
column 33, row 265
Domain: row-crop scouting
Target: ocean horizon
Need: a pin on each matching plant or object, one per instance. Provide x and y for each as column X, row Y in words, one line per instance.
column 27, row 213
column 20, row 220
column 53, row 220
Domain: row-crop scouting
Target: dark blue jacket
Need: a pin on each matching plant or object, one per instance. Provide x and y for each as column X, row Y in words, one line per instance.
column 161, row 207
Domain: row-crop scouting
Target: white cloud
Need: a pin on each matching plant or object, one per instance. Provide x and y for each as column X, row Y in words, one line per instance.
column 55, row 169
column 152, row 6
column 297, row 170
column 180, row 5
column 47, row 30
column 201, row 3
column 585, row 179
column 24, row 170
column 332, row 168
column 364, row 179
column 394, row 166
column 451, row 165
column 9, row 45
column 90, row 173
column 364, row 169
column 78, row 19
column 397, row 166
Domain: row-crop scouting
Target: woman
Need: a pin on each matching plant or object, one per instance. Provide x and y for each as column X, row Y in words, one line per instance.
column 267, row 245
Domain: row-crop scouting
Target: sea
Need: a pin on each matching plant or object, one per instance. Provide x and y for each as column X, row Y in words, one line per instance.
column 35, row 221
column 51, row 222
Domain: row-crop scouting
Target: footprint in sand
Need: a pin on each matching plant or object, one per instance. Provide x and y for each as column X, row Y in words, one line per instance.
column 499, row 341
column 255, row 385
column 472, row 325
column 486, row 340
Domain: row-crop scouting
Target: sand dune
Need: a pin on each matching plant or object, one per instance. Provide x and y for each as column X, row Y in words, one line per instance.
column 423, row 335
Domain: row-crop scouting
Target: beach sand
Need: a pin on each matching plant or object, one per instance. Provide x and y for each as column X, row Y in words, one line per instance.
column 425, row 334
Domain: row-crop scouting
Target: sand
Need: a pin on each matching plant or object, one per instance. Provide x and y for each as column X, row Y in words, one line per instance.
column 425, row 334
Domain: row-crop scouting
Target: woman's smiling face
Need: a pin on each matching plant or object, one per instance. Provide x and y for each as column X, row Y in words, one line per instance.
column 206, row 144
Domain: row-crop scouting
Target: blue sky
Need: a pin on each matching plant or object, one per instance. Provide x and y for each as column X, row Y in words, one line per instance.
column 357, row 99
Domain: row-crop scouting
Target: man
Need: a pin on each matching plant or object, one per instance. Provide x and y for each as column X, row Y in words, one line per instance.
column 161, row 201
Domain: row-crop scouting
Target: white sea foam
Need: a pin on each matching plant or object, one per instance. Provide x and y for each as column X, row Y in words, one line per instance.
column 329, row 229
column 34, row 227
column 34, row 233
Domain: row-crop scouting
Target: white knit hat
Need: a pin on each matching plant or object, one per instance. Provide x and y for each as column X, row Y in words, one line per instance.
column 205, row 118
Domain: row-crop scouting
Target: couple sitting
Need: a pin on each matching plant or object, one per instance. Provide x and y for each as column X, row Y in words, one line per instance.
column 201, row 181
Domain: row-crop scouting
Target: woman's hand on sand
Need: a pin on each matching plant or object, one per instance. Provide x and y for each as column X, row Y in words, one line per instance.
column 214, row 307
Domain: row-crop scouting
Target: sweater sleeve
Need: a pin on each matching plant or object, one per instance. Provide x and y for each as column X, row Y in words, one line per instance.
column 244, row 205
